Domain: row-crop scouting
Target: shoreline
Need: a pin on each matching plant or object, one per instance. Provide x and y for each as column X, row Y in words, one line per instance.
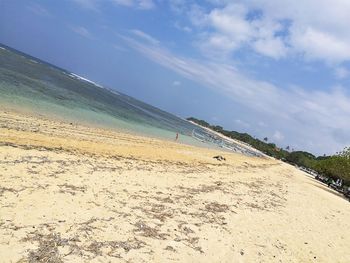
column 29, row 112
column 242, row 144
column 66, row 136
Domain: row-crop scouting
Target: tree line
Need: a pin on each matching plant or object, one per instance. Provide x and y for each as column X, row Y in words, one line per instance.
column 334, row 166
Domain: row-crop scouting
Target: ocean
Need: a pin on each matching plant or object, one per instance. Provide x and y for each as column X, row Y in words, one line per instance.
column 27, row 83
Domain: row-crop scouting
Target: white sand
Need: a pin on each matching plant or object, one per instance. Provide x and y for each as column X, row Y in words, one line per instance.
column 75, row 194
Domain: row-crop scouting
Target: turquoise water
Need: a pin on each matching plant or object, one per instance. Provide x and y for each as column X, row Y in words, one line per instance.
column 27, row 83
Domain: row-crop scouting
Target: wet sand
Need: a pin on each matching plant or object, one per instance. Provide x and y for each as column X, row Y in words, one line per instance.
column 71, row 193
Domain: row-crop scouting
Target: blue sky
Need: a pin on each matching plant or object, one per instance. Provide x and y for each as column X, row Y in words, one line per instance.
column 271, row 68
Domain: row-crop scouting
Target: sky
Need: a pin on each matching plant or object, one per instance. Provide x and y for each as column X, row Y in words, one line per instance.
column 273, row 68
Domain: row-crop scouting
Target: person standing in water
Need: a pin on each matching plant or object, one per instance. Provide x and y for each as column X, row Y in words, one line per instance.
column 177, row 136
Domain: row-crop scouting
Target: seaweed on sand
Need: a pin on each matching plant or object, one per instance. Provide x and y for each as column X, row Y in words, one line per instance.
column 215, row 207
column 114, row 247
column 71, row 189
column 49, row 244
column 144, row 230
column 48, row 248
column 6, row 189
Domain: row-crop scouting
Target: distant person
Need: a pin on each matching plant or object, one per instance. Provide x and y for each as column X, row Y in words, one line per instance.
column 329, row 182
column 177, row 136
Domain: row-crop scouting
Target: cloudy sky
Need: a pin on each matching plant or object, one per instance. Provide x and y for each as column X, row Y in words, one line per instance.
column 274, row 68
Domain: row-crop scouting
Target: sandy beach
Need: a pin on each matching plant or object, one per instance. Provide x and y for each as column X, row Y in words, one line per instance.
column 72, row 193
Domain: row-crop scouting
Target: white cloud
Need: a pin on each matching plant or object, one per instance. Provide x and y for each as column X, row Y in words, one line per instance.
column 278, row 136
column 145, row 36
column 139, row 4
column 341, row 73
column 315, row 44
column 242, row 123
column 228, row 29
column 231, row 22
column 272, row 47
column 316, row 29
column 146, row 4
column 303, row 117
column 186, row 29
column 82, row 31
column 176, row 83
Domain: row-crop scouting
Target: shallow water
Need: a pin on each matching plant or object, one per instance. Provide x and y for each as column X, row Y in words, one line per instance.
column 29, row 84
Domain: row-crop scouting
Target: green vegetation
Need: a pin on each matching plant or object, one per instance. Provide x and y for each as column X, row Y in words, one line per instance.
column 336, row 166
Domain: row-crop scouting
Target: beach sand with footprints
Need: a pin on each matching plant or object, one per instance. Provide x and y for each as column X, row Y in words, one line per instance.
column 72, row 193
